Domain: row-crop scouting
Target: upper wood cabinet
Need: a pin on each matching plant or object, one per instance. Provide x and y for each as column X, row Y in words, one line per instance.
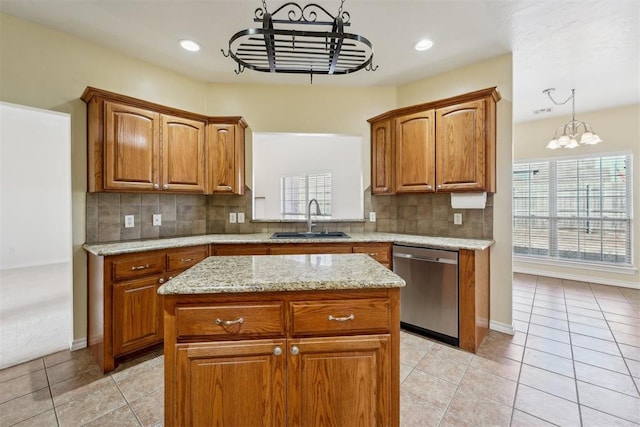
column 461, row 158
column 138, row 146
column 226, row 157
column 447, row 145
column 415, row 145
column 382, row 178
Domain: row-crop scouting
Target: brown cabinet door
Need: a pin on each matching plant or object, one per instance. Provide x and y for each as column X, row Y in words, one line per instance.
column 132, row 143
column 460, row 147
column 415, row 148
column 183, row 155
column 226, row 159
column 382, row 178
column 137, row 314
column 237, row 384
column 339, row 381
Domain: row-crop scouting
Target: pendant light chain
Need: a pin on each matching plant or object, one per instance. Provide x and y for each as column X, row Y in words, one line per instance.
column 264, row 6
column 340, row 9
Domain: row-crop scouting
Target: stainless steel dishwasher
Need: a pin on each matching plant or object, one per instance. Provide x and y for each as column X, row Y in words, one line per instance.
column 429, row 301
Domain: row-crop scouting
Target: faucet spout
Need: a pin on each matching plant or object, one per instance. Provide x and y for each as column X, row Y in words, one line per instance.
column 310, row 225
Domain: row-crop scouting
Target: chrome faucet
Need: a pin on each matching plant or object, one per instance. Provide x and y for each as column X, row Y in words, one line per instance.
column 310, row 225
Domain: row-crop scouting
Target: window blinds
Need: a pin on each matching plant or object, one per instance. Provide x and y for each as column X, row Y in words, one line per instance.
column 576, row 209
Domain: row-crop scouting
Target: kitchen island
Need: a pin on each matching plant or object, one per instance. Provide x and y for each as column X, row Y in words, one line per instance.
column 282, row 340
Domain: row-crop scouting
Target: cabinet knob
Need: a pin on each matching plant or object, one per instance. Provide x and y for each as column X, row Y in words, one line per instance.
column 295, row 350
column 385, row 189
column 156, row 186
column 429, row 187
column 170, row 277
column 439, row 186
column 161, row 280
column 228, row 187
column 277, row 351
column 165, row 187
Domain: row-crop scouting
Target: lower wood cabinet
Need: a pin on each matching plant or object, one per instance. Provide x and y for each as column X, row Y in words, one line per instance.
column 137, row 314
column 232, row 373
column 124, row 309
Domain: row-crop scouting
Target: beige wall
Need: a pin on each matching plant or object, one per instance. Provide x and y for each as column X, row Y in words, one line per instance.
column 49, row 69
column 494, row 72
column 619, row 129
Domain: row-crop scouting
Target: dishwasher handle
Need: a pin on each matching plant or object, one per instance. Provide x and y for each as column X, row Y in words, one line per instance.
column 426, row 259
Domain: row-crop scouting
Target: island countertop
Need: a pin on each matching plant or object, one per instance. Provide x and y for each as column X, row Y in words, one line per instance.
column 132, row 246
column 282, row 273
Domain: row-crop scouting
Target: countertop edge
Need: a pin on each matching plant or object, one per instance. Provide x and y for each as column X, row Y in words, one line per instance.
column 133, row 246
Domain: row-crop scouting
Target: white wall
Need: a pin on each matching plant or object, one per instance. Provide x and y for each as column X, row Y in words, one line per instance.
column 619, row 129
column 278, row 155
column 36, row 311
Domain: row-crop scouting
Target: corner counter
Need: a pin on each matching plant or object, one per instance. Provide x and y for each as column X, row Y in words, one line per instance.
column 282, row 340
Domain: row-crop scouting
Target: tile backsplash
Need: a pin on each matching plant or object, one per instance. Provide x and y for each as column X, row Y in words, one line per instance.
column 188, row 215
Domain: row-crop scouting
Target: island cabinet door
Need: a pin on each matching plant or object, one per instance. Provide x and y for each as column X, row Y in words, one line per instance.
column 231, row 384
column 137, row 314
column 344, row 381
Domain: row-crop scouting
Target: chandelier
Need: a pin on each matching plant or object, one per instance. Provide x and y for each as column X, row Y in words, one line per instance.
column 285, row 44
column 574, row 132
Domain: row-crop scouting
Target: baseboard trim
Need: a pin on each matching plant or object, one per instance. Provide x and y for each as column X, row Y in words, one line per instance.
column 78, row 344
column 576, row 277
column 501, row 327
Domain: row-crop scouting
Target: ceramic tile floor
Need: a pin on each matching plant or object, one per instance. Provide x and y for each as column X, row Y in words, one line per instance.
column 574, row 360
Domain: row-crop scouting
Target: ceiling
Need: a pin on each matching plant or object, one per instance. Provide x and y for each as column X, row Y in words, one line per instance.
column 592, row 46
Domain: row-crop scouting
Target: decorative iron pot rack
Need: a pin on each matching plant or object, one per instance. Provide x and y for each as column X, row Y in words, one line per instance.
column 289, row 49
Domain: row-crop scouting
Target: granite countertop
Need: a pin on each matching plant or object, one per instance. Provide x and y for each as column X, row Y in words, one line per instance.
column 281, row 273
column 133, row 246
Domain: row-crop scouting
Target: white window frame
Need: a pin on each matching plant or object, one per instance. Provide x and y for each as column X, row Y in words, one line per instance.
column 290, row 208
column 560, row 224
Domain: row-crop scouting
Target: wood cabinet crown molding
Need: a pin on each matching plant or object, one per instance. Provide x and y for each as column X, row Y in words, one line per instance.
column 139, row 146
column 92, row 92
column 440, row 103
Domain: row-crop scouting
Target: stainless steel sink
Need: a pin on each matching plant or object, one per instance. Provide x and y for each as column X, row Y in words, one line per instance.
column 304, row 235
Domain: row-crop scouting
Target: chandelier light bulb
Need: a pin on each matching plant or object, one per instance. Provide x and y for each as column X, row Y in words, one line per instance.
column 553, row 144
column 572, row 143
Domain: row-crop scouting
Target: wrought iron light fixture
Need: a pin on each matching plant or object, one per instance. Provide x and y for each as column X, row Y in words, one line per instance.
column 574, row 132
column 284, row 45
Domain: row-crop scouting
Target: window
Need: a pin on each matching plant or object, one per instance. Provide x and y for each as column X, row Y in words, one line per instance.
column 297, row 191
column 575, row 209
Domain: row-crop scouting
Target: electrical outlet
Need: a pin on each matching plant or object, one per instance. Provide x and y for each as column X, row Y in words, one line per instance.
column 240, row 217
column 129, row 221
column 157, row 220
column 372, row 217
column 233, row 218
column 457, row 218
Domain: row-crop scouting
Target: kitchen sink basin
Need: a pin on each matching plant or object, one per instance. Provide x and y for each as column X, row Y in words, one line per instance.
column 314, row 235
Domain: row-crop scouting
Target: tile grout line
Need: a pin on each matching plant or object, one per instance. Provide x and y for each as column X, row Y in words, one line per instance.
column 573, row 359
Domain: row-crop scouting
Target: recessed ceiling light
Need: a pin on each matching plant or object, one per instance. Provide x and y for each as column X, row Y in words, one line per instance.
column 190, row 45
column 424, row 44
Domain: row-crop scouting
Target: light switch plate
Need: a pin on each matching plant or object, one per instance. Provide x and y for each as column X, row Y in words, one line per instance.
column 157, row 220
column 233, row 218
column 372, row 217
column 240, row 217
column 129, row 221
column 457, row 218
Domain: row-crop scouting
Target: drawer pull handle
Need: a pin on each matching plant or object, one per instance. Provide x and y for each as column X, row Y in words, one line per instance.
column 140, row 267
column 373, row 255
column 342, row 319
column 277, row 351
column 186, row 259
column 238, row 321
column 295, row 350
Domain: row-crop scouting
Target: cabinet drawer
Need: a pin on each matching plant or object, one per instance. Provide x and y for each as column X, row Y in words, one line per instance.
column 335, row 317
column 129, row 267
column 182, row 259
column 230, row 321
column 381, row 253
